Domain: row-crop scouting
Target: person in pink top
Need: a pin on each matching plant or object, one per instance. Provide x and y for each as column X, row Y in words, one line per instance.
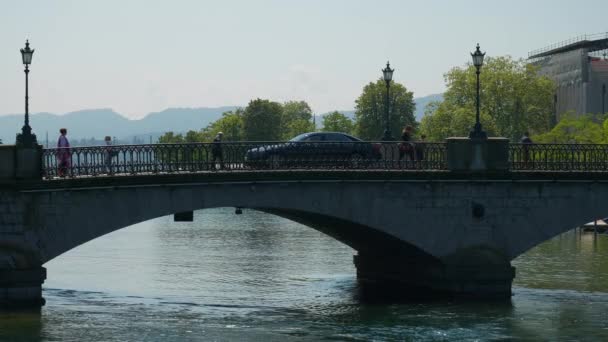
column 63, row 153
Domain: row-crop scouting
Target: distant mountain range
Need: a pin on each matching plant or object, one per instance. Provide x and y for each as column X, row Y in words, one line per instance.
column 97, row 123
column 422, row 102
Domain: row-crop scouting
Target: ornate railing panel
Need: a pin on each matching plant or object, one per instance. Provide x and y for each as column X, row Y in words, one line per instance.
column 559, row 157
column 234, row 156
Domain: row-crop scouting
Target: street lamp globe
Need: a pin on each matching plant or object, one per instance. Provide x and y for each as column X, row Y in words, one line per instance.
column 388, row 72
column 478, row 57
column 27, row 53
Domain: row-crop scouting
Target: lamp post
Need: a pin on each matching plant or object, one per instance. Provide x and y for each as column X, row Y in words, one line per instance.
column 388, row 76
column 554, row 121
column 26, row 138
column 604, row 98
column 477, row 132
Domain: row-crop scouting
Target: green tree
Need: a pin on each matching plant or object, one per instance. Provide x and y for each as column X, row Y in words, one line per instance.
column 514, row 98
column 441, row 120
column 337, row 122
column 170, row 137
column 584, row 129
column 262, row 120
column 231, row 124
column 370, row 110
column 296, row 119
column 605, row 131
column 192, row 136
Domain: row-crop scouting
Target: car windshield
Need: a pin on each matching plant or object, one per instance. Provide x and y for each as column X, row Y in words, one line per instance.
column 331, row 136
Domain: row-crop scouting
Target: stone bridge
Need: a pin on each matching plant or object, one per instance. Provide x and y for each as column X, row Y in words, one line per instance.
column 447, row 231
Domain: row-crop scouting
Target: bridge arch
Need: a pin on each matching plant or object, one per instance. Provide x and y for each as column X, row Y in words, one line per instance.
column 81, row 215
column 435, row 219
column 453, row 235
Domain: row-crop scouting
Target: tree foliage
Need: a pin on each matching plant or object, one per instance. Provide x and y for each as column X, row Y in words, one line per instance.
column 262, row 120
column 441, row 121
column 371, row 105
column 586, row 129
column 296, row 119
column 514, row 98
column 231, row 124
column 337, row 122
column 170, row 137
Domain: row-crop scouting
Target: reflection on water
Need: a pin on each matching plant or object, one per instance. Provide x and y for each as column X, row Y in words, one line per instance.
column 258, row 277
column 569, row 261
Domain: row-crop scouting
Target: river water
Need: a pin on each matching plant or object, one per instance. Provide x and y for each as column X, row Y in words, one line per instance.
column 257, row 277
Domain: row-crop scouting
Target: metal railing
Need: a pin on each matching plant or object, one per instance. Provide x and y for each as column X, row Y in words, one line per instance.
column 559, row 157
column 236, row 156
column 251, row 156
column 574, row 40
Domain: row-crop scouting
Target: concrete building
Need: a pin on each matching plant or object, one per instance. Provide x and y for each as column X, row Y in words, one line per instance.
column 579, row 66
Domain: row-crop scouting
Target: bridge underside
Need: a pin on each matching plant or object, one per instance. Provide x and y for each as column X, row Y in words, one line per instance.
column 387, row 265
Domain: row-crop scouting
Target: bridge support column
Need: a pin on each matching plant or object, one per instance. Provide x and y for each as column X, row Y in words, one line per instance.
column 22, row 288
column 413, row 278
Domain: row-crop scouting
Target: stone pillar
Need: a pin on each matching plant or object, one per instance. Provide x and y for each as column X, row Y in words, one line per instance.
column 20, row 288
column 414, row 278
column 478, row 155
column 20, row 281
column 29, row 163
column 20, row 163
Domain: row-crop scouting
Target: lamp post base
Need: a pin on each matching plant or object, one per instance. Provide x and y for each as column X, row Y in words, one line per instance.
column 480, row 135
column 477, row 133
column 26, row 138
column 387, row 137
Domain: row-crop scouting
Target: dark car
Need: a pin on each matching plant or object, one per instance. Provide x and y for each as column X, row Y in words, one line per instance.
column 314, row 149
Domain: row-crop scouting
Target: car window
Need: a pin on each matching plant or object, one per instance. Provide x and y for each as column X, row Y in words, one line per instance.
column 351, row 138
column 336, row 137
column 315, row 137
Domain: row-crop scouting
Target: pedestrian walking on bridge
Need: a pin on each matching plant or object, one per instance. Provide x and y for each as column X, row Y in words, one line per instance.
column 64, row 156
column 109, row 154
column 526, row 142
column 406, row 147
column 216, row 151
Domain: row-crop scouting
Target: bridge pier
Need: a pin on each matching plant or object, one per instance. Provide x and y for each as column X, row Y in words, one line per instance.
column 22, row 288
column 411, row 278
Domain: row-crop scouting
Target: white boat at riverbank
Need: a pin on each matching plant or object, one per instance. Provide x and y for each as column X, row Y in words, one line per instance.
column 600, row 225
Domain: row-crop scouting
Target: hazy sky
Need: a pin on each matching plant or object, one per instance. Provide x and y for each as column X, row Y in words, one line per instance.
column 142, row 56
